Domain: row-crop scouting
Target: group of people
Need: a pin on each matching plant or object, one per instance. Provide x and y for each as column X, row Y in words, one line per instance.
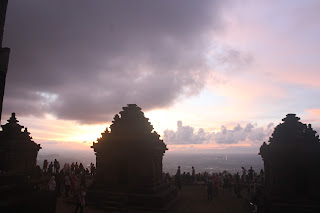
column 54, row 167
column 182, row 178
column 224, row 180
column 71, row 179
column 251, row 176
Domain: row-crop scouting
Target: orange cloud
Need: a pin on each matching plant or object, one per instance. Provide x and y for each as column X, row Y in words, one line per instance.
column 314, row 112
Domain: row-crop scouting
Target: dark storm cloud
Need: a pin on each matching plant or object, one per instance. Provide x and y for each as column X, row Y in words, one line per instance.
column 84, row 60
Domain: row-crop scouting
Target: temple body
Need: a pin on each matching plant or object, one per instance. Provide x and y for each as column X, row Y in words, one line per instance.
column 291, row 163
column 129, row 160
column 18, row 153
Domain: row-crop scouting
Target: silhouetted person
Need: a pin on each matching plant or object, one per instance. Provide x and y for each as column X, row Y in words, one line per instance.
column 58, row 183
column 72, row 167
column 56, row 166
column 225, row 183
column 76, row 168
column 67, row 184
column 50, row 168
column 74, row 182
column 237, row 177
column 81, row 168
column 52, row 184
column 237, row 189
column 66, row 168
column 92, row 169
column 193, row 175
column 210, row 189
column 216, row 185
column 244, row 174
column 86, row 171
column 80, row 198
column 261, row 176
column 250, row 174
column 45, row 165
column 178, row 178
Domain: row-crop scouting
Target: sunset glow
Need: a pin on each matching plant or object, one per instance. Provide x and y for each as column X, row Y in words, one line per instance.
column 217, row 76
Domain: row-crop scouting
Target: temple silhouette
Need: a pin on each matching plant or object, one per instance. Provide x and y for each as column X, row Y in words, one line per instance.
column 129, row 164
column 129, row 158
column 291, row 163
column 18, row 153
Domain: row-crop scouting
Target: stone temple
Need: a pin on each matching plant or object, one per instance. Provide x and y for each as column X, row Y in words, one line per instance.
column 291, row 163
column 129, row 164
column 18, row 153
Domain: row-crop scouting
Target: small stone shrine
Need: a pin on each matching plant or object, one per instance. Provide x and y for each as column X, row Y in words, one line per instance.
column 18, row 153
column 291, row 163
column 129, row 164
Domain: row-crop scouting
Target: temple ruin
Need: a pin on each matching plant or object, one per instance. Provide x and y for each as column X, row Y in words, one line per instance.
column 291, row 163
column 18, row 153
column 129, row 164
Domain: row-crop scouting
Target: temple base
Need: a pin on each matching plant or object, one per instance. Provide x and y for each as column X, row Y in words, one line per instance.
column 159, row 199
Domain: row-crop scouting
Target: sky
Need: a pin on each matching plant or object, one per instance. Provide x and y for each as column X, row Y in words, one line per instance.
column 212, row 76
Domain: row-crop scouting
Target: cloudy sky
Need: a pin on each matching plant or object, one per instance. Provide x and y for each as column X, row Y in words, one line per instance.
column 210, row 75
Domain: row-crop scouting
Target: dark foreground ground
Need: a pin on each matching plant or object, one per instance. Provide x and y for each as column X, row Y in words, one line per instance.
column 192, row 198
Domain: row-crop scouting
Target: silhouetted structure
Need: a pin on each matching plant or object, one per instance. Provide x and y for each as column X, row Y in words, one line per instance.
column 129, row 163
column 18, row 153
column 4, row 52
column 291, row 163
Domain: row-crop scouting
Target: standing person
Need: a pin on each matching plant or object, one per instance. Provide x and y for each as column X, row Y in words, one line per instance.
column 67, row 184
column 261, row 176
column 237, row 178
column 210, row 189
column 244, row 174
column 225, row 184
column 55, row 165
column 216, row 185
column 74, row 182
column 92, row 170
column 80, row 197
column 58, row 179
column 45, row 165
column 76, row 168
column 52, row 184
column 178, row 178
column 72, row 166
column 50, row 168
column 193, row 175
column 250, row 173
column 65, row 168
column 81, row 168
